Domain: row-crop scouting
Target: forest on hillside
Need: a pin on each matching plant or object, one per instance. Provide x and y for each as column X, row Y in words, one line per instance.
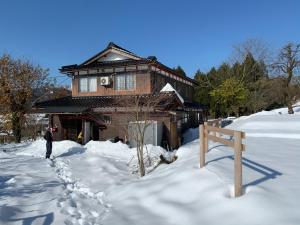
column 251, row 80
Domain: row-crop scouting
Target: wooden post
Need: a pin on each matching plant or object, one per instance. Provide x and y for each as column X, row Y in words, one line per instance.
column 202, row 146
column 205, row 137
column 237, row 163
column 214, row 125
column 86, row 132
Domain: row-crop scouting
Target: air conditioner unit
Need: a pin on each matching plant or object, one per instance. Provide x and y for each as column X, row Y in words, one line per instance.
column 104, row 81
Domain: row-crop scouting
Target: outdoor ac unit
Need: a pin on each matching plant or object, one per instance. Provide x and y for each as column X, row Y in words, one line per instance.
column 104, row 81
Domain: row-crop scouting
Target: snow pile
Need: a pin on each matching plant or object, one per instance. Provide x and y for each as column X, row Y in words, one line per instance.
column 96, row 151
column 107, row 148
column 168, row 88
column 269, row 125
column 181, row 193
column 38, row 148
column 120, row 151
column 280, row 111
column 151, row 158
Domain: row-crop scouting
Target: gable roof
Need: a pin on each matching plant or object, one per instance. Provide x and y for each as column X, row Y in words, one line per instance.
column 169, row 88
column 112, row 47
column 129, row 59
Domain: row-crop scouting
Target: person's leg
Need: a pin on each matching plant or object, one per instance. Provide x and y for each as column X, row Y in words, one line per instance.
column 48, row 152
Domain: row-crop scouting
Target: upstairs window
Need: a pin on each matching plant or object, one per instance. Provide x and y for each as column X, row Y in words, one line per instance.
column 125, row 82
column 92, row 87
column 88, row 84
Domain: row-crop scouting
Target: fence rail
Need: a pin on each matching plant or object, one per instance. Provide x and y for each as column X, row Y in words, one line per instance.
column 212, row 132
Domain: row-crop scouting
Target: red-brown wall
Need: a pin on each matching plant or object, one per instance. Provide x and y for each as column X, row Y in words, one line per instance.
column 143, row 86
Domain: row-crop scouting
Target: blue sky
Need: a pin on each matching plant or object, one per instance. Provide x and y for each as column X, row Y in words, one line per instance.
column 193, row 34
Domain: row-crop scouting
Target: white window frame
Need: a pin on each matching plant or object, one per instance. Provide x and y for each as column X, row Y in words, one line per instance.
column 83, row 84
column 88, row 84
column 92, row 84
column 125, row 81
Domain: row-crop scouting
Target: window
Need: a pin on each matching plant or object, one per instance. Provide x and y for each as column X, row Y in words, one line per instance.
column 83, row 85
column 186, row 117
column 130, row 82
column 120, row 82
column 107, row 119
column 88, row 84
column 92, row 84
column 125, row 82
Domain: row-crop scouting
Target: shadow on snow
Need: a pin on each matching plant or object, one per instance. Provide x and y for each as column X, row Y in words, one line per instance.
column 8, row 212
column 267, row 172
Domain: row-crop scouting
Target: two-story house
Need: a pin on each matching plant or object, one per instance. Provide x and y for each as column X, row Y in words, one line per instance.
column 100, row 82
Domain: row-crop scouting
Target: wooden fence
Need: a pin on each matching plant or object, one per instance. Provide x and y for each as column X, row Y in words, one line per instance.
column 208, row 132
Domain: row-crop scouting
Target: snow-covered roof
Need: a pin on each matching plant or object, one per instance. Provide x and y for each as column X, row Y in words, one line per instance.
column 169, row 88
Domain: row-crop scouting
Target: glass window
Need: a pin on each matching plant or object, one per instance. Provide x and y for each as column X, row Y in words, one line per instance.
column 107, row 119
column 83, row 85
column 88, row 84
column 92, row 84
column 130, row 82
column 124, row 82
column 120, row 82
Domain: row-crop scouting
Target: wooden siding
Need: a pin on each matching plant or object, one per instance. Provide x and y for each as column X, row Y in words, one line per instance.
column 173, row 126
column 118, row 125
column 158, row 81
column 143, row 86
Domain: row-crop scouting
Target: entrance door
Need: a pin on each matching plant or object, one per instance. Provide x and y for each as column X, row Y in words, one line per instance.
column 72, row 128
column 95, row 132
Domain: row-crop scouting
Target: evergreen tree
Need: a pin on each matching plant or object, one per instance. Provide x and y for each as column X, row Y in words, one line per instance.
column 179, row 71
column 224, row 72
column 202, row 91
column 230, row 96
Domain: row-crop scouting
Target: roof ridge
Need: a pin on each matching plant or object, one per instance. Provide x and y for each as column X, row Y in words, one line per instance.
column 113, row 45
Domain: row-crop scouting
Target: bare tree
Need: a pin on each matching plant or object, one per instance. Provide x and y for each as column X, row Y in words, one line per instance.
column 287, row 65
column 258, row 48
column 18, row 79
column 139, row 110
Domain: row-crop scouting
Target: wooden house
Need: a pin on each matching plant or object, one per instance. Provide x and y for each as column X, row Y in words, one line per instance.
column 101, row 83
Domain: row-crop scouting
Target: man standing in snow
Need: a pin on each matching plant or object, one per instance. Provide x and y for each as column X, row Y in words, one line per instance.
column 49, row 138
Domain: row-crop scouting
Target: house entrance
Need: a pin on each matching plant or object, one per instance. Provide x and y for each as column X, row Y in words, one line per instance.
column 95, row 131
column 71, row 129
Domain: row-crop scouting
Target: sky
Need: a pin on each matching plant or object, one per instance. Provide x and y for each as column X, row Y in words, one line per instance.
column 192, row 34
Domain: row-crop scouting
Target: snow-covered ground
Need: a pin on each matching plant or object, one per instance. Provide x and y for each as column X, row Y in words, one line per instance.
column 97, row 184
column 30, row 191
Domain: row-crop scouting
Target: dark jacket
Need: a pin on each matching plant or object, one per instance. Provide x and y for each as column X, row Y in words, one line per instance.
column 48, row 136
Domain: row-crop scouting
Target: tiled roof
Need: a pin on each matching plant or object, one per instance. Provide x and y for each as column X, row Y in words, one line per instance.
column 111, row 45
column 105, row 63
column 138, row 60
column 71, row 104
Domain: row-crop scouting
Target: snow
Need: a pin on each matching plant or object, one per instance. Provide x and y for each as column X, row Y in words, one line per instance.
column 97, row 183
column 169, row 88
column 281, row 111
column 29, row 191
column 84, row 173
